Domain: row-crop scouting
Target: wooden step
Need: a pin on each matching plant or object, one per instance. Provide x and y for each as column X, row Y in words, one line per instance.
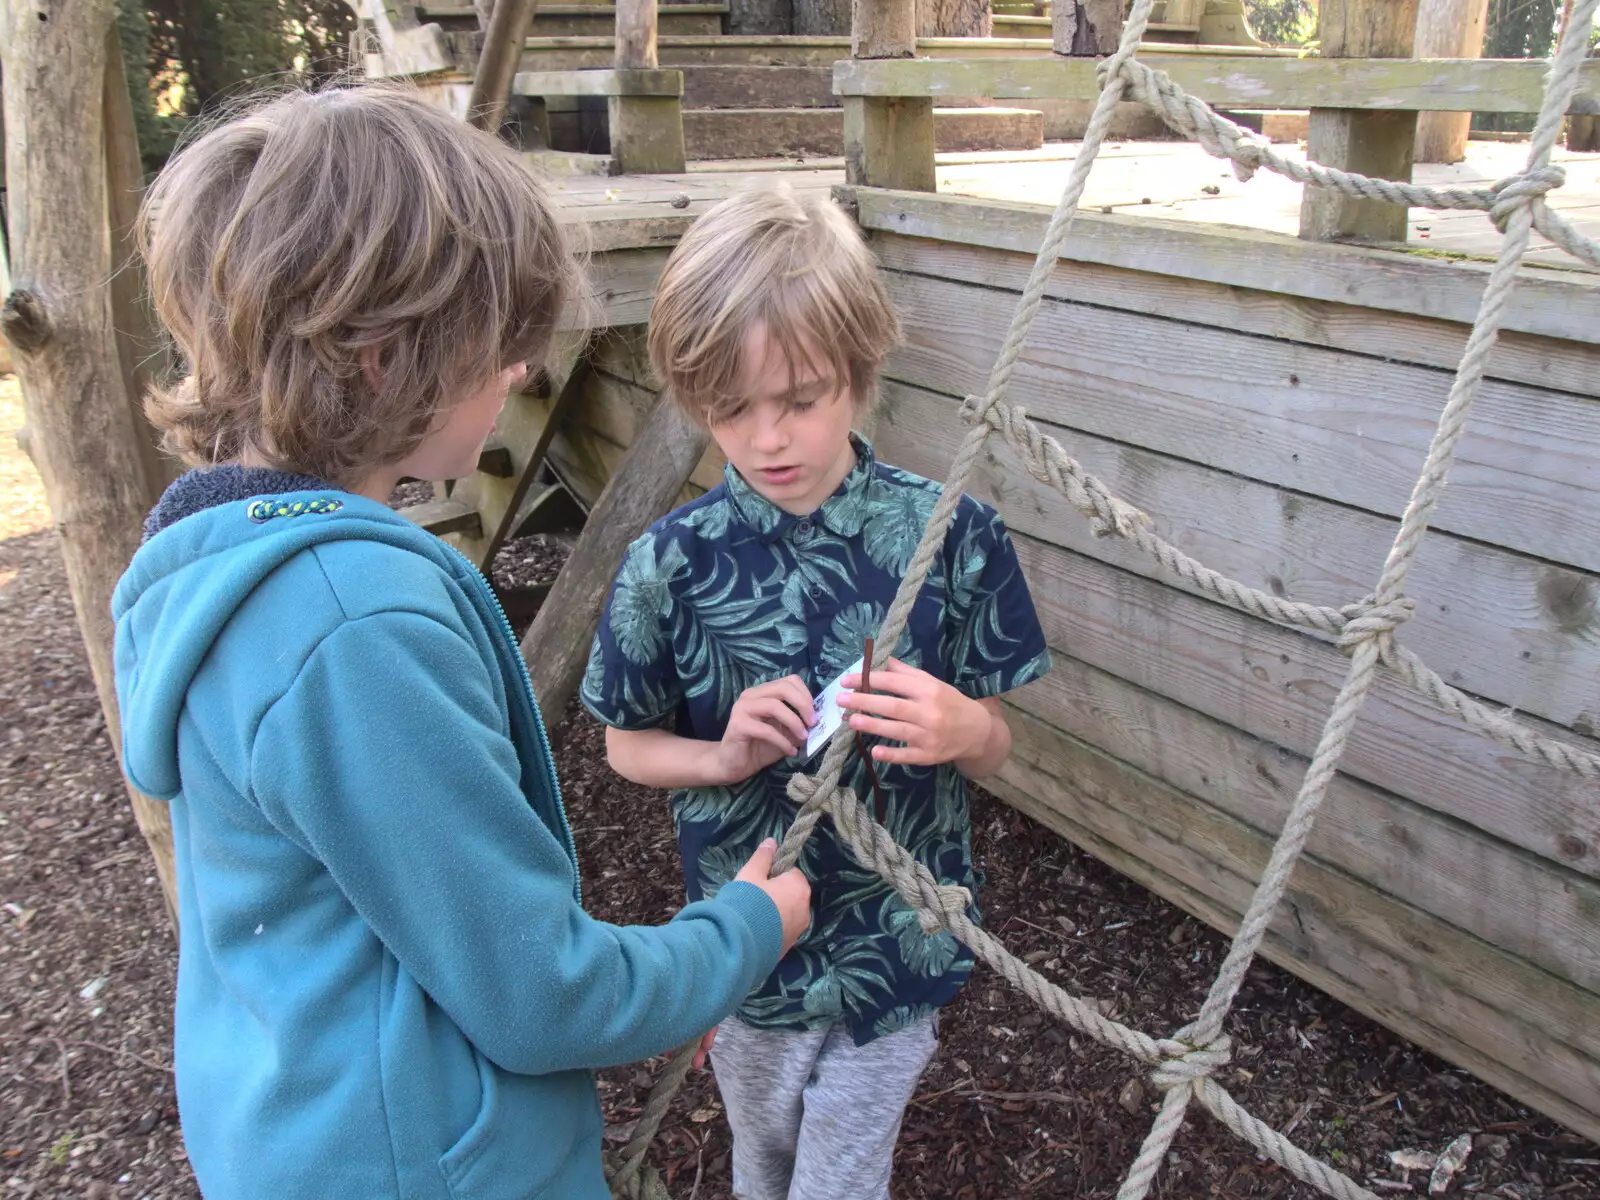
column 440, row 517
column 708, row 85
column 768, row 132
column 1017, row 25
column 578, row 53
column 598, row 20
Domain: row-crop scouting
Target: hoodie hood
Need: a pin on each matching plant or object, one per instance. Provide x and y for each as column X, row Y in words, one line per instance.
column 211, row 541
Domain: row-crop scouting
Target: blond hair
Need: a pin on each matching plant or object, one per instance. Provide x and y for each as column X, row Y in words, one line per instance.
column 317, row 234
column 795, row 266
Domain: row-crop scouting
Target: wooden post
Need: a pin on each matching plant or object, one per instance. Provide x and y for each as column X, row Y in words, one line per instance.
column 1085, row 28
column 497, row 65
column 139, row 343
column 1447, row 29
column 888, row 140
column 1583, row 132
column 58, row 322
column 651, row 474
column 1378, row 144
column 646, row 130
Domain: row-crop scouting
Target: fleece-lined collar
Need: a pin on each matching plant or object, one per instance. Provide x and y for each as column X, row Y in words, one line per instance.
column 208, row 487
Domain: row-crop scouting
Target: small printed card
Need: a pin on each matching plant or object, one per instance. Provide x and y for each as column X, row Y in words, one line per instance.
column 827, row 711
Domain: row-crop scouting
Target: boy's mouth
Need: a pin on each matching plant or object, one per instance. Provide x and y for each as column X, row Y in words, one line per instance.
column 778, row 476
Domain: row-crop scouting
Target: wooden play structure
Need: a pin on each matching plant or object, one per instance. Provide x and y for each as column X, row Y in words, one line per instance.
column 1267, row 400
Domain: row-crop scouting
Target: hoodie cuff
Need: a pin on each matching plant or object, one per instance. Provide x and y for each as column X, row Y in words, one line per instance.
column 760, row 916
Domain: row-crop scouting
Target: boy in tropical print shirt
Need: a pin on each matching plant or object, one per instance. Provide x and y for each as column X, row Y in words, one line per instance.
column 728, row 615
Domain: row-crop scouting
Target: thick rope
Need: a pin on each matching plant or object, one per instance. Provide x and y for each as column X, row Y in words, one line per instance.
column 1185, row 1063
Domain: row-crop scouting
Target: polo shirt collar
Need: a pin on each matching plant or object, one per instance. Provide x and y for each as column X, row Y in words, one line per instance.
column 842, row 513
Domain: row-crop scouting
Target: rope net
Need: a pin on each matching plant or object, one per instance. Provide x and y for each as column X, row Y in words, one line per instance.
column 1183, row 1065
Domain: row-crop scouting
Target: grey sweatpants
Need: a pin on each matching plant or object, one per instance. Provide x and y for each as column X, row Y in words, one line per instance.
column 814, row 1116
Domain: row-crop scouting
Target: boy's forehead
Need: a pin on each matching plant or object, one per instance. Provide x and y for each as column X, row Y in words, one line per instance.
column 769, row 365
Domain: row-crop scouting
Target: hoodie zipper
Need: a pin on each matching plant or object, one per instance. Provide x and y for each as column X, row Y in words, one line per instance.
column 484, row 586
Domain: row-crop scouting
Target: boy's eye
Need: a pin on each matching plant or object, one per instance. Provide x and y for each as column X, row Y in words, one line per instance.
column 801, row 406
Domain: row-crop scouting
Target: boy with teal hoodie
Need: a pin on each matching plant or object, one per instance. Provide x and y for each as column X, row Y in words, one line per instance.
column 387, row 985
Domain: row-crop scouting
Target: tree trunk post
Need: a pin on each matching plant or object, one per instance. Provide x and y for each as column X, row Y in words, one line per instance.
column 1378, row 144
column 139, row 343
column 58, row 322
column 1583, row 132
column 888, row 140
column 1086, row 28
column 663, row 455
column 1448, row 29
column 497, row 65
column 646, row 130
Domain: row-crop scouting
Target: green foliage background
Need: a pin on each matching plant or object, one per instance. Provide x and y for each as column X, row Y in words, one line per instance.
column 184, row 57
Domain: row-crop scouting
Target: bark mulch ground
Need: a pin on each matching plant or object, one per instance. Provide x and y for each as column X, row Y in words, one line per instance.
column 1014, row 1106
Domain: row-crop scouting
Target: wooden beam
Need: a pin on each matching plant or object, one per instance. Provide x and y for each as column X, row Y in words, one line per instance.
column 525, row 428
column 498, row 61
column 636, row 34
column 642, row 488
column 1086, row 28
column 1553, row 304
column 1379, row 145
column 440, row 517
column 884, row 29
column 644, row 81
column 888, row 142
column 1245, row 81
column 1447, row 29
column 57, row 320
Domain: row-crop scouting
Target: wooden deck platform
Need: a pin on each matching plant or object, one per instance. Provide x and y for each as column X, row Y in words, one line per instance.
column 1171, row 180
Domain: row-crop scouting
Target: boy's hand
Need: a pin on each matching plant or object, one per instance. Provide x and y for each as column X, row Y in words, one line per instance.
column 937, row 723
column 768, row 723
column 791, row 892
column 704, row 1048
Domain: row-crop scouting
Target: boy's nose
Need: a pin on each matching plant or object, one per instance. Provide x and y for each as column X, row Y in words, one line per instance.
column 769, row 437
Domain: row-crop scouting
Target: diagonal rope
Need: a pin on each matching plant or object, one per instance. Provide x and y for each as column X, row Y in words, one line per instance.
column 1186, row 1062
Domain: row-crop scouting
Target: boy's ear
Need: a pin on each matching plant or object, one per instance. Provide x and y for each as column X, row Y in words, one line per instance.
column 371, row 368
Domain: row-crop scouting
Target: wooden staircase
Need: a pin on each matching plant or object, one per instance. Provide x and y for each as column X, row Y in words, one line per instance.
column 744, row 97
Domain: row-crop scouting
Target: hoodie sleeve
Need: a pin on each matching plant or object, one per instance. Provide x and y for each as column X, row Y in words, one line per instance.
column 387, row 760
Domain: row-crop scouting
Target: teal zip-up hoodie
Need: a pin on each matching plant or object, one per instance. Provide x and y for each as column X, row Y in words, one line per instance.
column 386, row 983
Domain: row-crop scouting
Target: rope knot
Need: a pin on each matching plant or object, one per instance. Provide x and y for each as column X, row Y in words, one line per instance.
column 938, row 903
column 1368, row 620
column 802, row 788
column 1182, row 1063
column 1521, row 190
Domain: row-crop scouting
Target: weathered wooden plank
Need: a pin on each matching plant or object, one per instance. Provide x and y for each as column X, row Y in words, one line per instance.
column 616, row 410
column 621, row 282
column 1379, row 145
column 1524, row 358
column 1333, row 424
column 615, row 82
column 1562, row 304
column 889, row 143
column 1478, row 884
column 1520, row 632
column 1226, row 81
column 640, row 489
column 525, row 428
column 1347, row 939
column 440, row 517
column 1277, row 684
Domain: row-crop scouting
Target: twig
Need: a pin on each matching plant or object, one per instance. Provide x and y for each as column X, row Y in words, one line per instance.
column 125, row 1053
column 1018, row 1097
column 66, row 1076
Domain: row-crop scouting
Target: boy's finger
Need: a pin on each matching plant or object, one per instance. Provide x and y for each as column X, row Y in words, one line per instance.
column 896, row 684
column 903, row 755
column 892, row 707
column 899, row 731
column 780, row 716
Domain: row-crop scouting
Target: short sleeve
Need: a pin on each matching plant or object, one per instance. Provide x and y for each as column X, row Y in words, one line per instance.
column 632, row 679
column 997, row 644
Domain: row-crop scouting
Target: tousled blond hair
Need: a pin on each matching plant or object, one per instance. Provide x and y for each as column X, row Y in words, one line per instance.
column 316, row 231
column 794, row 265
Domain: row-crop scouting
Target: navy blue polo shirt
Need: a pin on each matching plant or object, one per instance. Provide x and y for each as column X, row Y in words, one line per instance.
column 730, row 591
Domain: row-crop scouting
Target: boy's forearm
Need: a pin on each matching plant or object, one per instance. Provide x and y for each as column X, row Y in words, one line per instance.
column 996, row 747
column 659, row 758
